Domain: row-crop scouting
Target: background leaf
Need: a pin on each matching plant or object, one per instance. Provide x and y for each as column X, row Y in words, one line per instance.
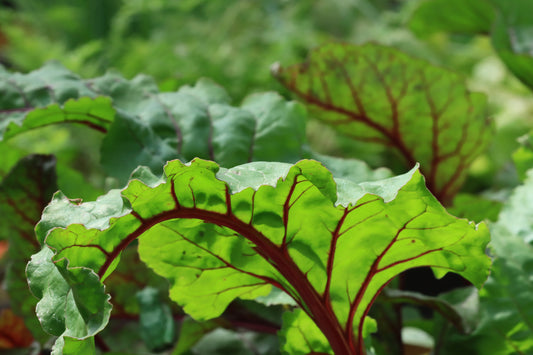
column 455, row 16
column 511, row 37
column 377, row 94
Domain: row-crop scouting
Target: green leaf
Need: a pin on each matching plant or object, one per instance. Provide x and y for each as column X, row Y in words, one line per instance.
column 10, row 156
column 217, row 236
column 96, row 113
column 157, row 324
column 511, row 37
column 21, row 93
column 72, row 302
column 475, row 208
column 24, row 193
column 145, row 127
column 379, row 95
column 191, row 332
column 523, row 156
column 301, row 336
column 506, row 318
column 517, row 213
column 69, row 346
column 456, row 16
column 351, row 169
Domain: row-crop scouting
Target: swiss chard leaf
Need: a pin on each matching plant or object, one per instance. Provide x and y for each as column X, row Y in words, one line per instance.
column 378, row 94
column 220, row 234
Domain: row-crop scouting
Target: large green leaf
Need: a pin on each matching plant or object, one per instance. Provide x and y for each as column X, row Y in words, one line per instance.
column 24, row 193
column 380, row 95
column 220, row 234
column 512, row 37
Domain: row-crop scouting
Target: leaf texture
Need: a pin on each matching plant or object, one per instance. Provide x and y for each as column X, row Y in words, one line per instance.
column 143, row 126
column 220, row 234
column 380, row 95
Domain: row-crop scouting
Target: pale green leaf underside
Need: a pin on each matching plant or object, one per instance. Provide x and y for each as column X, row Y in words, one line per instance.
column 292, row 228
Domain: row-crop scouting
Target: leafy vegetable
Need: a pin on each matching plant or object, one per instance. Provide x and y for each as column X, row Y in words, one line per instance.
column 379, row 95
column 268, row 224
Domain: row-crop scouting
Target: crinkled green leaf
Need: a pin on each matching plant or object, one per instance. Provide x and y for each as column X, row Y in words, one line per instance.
column 512, row 35
column 21, row 93
column 273, row 224
column 145, row 127
column 380, row 95
column 24, row 193
column 72, row 302
column 157, row 324
column 456, row 16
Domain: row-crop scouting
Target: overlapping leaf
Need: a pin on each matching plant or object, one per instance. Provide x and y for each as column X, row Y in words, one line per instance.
column 146, row 127
column 24, row 193
column 378, row 94
column 332, row 245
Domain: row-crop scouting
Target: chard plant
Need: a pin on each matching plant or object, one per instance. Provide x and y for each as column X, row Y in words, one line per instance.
column 226, row 209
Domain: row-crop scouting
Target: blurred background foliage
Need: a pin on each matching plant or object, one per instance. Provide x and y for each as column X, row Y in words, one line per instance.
column 236, row 42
